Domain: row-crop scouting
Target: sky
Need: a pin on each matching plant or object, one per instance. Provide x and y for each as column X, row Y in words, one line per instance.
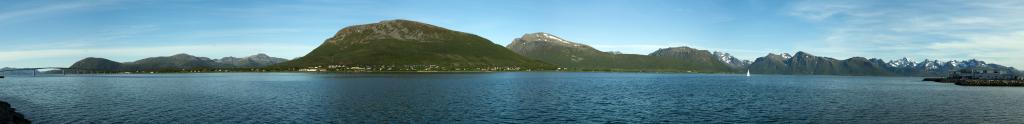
column 45, row 33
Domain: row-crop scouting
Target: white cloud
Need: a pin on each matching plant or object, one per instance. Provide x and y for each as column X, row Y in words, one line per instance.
column 941, row 29
column 89, row 40
column 820, row 10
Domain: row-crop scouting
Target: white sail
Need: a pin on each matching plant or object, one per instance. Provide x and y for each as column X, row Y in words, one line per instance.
column 748, row 73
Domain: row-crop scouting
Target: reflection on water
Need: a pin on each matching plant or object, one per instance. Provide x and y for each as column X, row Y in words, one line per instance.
column 503, row 97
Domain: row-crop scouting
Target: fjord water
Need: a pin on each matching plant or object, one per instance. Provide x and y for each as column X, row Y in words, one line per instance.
column 516, row 97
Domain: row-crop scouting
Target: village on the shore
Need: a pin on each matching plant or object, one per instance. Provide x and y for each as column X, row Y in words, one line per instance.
column 980, row 77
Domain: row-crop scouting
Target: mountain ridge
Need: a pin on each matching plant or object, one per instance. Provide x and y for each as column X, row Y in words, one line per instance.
column 407, row 43
column 173, row 62
column 803, row 63
column 572, row 55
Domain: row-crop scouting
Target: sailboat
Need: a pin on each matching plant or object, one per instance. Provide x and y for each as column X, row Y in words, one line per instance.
column 748, row 73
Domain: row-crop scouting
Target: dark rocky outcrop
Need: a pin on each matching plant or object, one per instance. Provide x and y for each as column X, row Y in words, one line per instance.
column 9, row 116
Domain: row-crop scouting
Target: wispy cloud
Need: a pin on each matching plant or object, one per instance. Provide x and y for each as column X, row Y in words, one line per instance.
column 36, row 10
column 90, row 40
column 943, row 29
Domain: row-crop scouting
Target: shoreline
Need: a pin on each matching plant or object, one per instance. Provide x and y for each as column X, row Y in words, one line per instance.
column 977, row 82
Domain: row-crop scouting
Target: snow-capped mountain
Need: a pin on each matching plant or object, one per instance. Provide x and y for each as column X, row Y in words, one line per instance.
column 803, row 63
column 954, row 64
column 902, row 63
column 929, row 67
column 731, row 60
column 568, row 54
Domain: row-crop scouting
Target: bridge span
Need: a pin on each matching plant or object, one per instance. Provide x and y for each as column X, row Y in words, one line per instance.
column 63, row 70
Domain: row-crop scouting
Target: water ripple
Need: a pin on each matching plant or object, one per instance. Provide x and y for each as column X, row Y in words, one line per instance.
column 503, row 98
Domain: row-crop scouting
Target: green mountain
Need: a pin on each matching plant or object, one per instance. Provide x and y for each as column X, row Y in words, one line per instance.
column 404, row 42
column 175, row 62
column 258, row 60
column 567, row 54
column 99, row 64
column 770, row 64
column 692, row 58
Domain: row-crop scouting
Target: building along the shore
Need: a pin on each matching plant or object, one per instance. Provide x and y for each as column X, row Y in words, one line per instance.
column 984, row 74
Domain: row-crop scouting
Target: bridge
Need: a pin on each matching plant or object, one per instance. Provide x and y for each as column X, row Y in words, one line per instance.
column 63, row 70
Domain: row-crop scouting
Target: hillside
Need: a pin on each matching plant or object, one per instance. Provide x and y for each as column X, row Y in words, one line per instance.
column 174, row 62
column 406, row 43
column 567, row 54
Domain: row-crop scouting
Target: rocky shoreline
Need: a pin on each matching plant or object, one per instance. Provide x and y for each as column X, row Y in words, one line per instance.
column 978, row 82
column 9, row 116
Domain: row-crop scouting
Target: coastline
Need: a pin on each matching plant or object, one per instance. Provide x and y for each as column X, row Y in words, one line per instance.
column 977, row 82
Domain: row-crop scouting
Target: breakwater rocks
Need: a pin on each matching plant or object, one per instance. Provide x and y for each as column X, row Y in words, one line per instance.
column 9, row 116
column 978, row 82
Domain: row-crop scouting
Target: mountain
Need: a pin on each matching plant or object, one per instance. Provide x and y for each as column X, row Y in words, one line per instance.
column 564, row 53
column 805, row 63
column 937, row 68
column 770, row 64
column 176, row 62
column 99, row 64
column 404, row 42
column 258, row 60
column 694, row 58
column 902, row 63
column 555, row 50
column 732, row 61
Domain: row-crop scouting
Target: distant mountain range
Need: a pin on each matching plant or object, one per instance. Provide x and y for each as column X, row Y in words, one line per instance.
column 567, row 54
column 803, row 63
column 176, row 62
column 935, row 67
column 410, row 43
column 394, row 43
column 258, row 60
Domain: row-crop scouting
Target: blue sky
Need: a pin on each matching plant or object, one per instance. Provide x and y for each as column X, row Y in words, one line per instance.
column 58, row 33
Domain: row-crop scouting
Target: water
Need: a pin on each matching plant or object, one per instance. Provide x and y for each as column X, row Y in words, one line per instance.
column 545, row 97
